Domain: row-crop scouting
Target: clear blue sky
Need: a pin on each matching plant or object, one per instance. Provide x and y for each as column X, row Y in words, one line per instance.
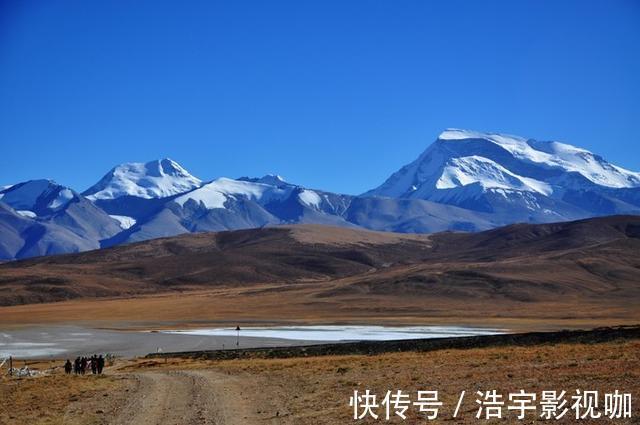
column 330, row 94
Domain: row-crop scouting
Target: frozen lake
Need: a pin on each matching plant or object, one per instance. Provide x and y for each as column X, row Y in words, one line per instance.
column 69, row 341
column 344, row 333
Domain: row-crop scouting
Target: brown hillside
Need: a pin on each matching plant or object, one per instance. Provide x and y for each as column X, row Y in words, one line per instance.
column 588, row 269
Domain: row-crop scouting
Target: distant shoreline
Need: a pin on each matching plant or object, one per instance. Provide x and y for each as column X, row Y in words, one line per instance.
column 596, row 335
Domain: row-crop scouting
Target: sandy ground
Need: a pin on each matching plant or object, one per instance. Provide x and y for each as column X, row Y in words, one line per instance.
column 315, row 390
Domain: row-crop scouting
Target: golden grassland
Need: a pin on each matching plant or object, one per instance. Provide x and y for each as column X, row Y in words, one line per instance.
column 282, row 304
column 318, row 389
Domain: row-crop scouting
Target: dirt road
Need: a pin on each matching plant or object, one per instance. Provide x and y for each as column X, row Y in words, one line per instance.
column 195, row 397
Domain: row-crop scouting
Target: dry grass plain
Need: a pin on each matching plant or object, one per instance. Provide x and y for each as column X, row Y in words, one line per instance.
column 300, row 304
column 317, row 390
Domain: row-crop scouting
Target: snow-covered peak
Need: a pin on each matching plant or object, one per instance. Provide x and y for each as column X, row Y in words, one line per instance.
column 154, row 179
column 215, row 194
column 459, row 134
column 270, row 179
column 552, row 154
column 24, row 195
column 461, row 158
column 37, row 195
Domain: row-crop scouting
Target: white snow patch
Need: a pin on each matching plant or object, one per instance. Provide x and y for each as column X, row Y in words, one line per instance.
column 310, row 198
column 124, row 221
column 26, row 213
column 63, row 198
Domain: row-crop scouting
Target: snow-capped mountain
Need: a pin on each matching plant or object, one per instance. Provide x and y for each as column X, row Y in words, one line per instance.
column 530, row 180
column 132, row 191
column 41, row 217
column 154, row 179
column 464, row 181
column 36, row 197
column 225, row 204
column 266, row 191
column 228, row 204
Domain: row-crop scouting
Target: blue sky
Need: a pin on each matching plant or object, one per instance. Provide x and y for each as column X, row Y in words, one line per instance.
column 330, row 94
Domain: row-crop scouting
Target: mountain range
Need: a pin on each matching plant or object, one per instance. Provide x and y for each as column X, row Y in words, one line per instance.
column 464, row 181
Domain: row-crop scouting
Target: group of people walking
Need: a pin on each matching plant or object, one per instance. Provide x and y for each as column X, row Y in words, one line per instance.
column 82, row 365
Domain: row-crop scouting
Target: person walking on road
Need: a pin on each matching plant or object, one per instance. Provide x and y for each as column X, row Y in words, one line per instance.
column 100, row 360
